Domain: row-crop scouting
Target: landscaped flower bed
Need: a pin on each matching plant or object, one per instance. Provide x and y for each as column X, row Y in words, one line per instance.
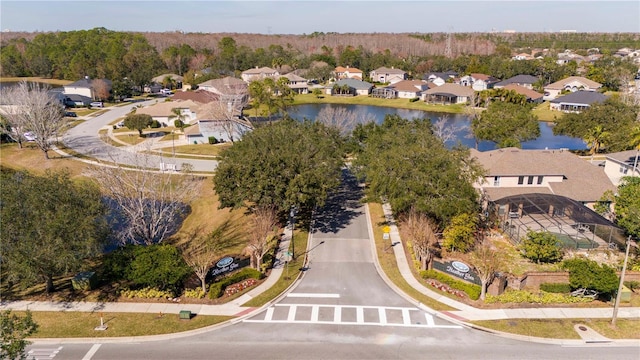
column 238, row 287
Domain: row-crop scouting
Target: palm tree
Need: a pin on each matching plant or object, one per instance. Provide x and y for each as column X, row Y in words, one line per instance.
column 596, row 138
column 178, row 116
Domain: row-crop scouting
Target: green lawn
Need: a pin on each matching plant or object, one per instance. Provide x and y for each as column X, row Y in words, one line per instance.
column 563, row 328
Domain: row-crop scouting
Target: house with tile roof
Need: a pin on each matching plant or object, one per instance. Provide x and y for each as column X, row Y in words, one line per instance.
column 347, row 73
column 572, row 84
column 526, row 81
column 620, row 164
column 409, row 89
column 297, row 83
column 199, row 96
column 387, row 75
column 259, row 73
column 163, row 111
column 576, row 101
column 513, row 171
column 448, row 94
column 478, row 82
column 532, row 96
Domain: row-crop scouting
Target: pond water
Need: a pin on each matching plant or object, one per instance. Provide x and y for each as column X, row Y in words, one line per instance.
column 458, row 121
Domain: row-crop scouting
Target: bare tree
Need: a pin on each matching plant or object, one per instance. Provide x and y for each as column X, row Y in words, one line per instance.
column 473, row 112
column 100, row 89
column 486, row 261
column 419, row 229
column 202, row 249
column 226, row 107
column 343, row 119
column 446, row 132
column 149, row 204
column 264, row 227
column 33, row 109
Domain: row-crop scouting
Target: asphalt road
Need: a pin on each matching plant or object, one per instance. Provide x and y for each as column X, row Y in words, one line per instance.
column 341, row 309
column 84, row 139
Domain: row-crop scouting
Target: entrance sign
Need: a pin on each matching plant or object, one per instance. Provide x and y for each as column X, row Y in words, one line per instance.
column 457, row 269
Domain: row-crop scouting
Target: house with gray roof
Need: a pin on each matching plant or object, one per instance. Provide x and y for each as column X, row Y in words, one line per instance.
column 526, row 81
column 448, row 94
column 354, row 87
column 513, row 171
column 259, row 73
column 572, row 84
column 620, row 164
column 387, row 75
column 577, row 101
column 440, row 78
column 297, row 83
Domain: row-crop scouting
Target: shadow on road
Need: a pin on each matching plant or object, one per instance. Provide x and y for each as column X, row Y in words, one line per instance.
column 341, row 207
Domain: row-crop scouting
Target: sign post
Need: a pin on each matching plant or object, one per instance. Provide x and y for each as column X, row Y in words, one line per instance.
column 386, row 236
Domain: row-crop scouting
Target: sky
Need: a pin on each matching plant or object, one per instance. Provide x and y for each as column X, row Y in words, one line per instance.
column 306, row 17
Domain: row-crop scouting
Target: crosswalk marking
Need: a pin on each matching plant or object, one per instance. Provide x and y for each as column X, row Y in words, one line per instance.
column 43, row 353
column 354, row 315
column 313, row 295
column 91, row 352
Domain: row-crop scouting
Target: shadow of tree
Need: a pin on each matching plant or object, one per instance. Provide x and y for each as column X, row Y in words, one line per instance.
column 341, row 207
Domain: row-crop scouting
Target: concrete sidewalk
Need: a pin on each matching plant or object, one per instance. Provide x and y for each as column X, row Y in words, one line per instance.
column 466, row 313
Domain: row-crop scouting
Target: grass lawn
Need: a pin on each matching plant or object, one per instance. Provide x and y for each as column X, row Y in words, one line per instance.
column 564, row 328
column 131, row 139
column 544, row 113
column 200, row 149
column 82, row 324
column 32, row 159
column 388, row 261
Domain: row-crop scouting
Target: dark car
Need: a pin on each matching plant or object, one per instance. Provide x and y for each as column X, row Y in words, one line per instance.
column 70, row 114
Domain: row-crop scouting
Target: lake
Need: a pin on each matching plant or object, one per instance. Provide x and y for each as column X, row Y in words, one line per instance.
column 458, row 121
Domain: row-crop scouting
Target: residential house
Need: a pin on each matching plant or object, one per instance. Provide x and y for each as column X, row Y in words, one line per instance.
column 163, row 111
column 621, row 164
column 171, row 81
column 478, row 82
column 526, row 81
column 576, row 101
column 513, row 171
column 387, row 75
column 233, row 91
column 298, row 84
column 409, row 89
column 259, row 74
column 356, row 87
column 532, row 96
column 94, row 89
column 522, row 56
column 347, row 73
column 199, row 96
column 572, row 83
column 214, row 120
column 440, row 78
column 448, row 94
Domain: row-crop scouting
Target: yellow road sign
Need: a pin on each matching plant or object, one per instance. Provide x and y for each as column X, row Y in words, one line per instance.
column 386, row 229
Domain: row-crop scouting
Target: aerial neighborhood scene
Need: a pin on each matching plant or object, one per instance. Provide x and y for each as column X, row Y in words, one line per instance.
column 319, row 180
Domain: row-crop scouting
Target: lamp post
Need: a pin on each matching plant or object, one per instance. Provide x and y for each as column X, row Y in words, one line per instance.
column 619, row 294
column 292, row 220
column 173, row 143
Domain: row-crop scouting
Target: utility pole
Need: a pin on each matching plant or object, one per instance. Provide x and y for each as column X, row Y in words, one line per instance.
column 292, row 220
column 619, row 294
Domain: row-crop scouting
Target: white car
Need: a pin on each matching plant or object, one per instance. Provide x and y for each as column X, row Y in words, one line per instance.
column 30, row 136
column 98, row 104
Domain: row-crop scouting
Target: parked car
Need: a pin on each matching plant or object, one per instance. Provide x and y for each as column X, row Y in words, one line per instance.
column 70, row 114
column 98, row 104
column 29, row 136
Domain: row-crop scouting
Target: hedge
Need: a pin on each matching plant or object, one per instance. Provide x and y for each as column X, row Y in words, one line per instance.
column 558, row 288
column 472, row 290
column 217, row 289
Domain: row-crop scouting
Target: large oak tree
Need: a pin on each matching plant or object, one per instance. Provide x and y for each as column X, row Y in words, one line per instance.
column 506, row 124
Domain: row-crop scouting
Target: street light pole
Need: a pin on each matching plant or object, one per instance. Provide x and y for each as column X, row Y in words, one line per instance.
column 292, row 220
column 619, row 294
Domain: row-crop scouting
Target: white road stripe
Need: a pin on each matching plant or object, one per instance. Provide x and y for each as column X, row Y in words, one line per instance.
column 382, row 316
column 359, row 315
column 91, row 352
column 292, row 313
column 337, row 314
column 406, row 319
column 313, row 295
column 314, row 313
column 269, row 314
column 429, row 319
column 354, row 323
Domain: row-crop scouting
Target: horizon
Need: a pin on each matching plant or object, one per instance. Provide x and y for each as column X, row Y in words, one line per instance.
column 275, row 17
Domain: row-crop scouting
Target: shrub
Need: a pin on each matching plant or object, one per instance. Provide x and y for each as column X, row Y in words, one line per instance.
column 521, row 296
column 217, row 289
column 159, row 266
column 146, row 293
column 213, row 140
column 588, row 274
column 414, row 99
column 155, row 124
column 472, row 290
column 178, row 123
column 196, row 293
column 541, row 247
column 560, row 288
column 632, row 285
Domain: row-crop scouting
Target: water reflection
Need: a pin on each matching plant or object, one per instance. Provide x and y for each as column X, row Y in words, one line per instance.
column 456, row 121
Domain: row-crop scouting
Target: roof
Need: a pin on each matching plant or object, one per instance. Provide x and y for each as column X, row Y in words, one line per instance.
column 164, row 108
column 410, row 85
column 341, row 69
column 518, row 79
column 581, row 97
column 559, row 85
column 483, row 77
column 227, row 85
column 258, row 71
column 530, row 94
column 356, row 84
column 582, row 181
column 450, row 89
column 293, row 77
column 625, row 157
column 199, row 96
column 386, row 70
column 160, row 78
column 86, row 83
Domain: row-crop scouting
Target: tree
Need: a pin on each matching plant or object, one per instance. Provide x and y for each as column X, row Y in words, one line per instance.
column 596, row 138
column 264, row 228
column 541, row 247
column 613, row 116
column 317, row 93
column 627, row 205
column 201, row 250
column 178, row 117
column 50, row 226
column 101, row 89
column 34, row 110
column 486, row 261
column 506, row 124
column 147, row 205
column 281, row 164
column 588, row 274
column 419, row 229
column 459, row 235
column 159, row 266
column 138, row 122
column 342, row 119
column 14, row 330
column 403, row 161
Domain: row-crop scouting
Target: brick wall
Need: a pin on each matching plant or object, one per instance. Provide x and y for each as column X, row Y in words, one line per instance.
column 532, row 280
